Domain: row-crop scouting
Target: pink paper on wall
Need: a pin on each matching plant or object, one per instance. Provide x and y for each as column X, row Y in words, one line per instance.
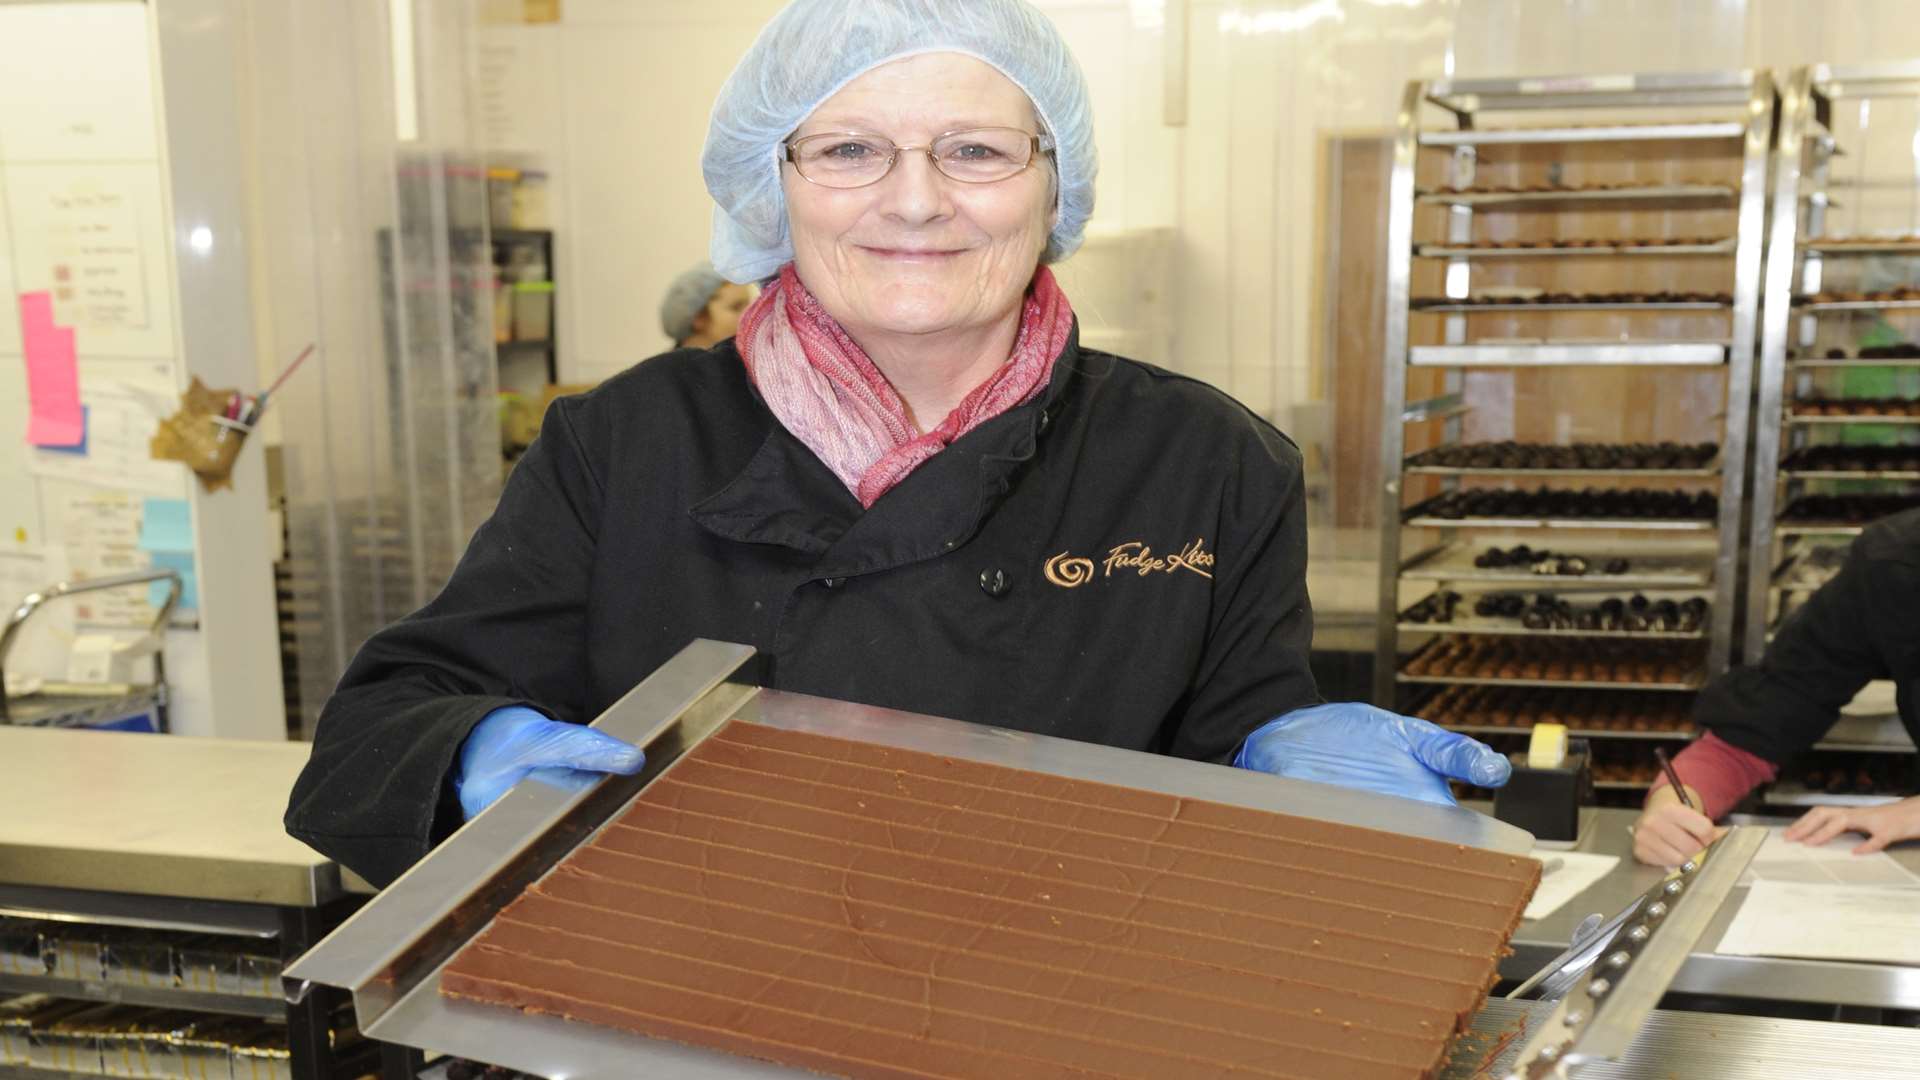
column 54, row 417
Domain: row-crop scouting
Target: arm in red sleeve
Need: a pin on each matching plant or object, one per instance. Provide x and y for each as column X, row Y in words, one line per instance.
column 1720, row 772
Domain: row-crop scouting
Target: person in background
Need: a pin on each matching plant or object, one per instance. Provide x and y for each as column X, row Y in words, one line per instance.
column 702, row 309
column 1862, row 625
column 904, row 481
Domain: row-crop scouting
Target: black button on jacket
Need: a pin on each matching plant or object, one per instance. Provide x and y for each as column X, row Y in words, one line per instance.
column 1121, row 560
column 1862, row 625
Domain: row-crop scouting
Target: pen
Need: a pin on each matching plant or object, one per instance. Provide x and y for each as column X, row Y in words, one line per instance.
column 1674, row 779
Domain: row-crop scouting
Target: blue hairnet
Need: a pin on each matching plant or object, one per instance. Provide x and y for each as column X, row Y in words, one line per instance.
column 813, row 48
column 687, row 297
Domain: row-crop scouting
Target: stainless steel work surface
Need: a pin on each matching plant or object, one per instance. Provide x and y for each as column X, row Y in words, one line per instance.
column 1604, row 832
column 158, row 815
column 1707, row 1046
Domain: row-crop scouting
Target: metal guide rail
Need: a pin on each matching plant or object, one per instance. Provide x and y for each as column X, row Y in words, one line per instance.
column 1607, row 982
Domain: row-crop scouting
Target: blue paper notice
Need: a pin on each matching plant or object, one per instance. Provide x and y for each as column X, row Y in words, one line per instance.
column 166, row 525
column 189, row 582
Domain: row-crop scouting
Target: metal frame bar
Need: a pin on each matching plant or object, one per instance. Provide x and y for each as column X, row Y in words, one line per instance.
column 1464, row 98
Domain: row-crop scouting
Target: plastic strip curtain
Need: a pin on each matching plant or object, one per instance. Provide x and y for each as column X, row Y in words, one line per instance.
column 375, row 247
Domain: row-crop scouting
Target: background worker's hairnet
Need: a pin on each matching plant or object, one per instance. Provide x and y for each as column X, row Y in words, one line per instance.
column 686, row 298
column 812, row 48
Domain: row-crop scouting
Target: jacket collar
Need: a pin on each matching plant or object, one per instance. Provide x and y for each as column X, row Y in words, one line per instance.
column 788, row 497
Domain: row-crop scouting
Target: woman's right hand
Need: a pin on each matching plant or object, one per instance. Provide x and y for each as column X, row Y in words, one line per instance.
column 513, row 743
column 1668, row 834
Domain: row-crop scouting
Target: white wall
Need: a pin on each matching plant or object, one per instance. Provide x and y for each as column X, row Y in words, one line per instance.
column 136, row 99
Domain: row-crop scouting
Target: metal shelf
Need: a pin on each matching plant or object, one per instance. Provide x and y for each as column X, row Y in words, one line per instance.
column 1853, row 363
column 1796, row 419
column 1512, row 628
column 1862, row 247
column 1834, row 474
column 1443, row 251
column 1622, row 785
column 1687, row 687
column 1565, row 198
column 1572, row 733
column 1727, row 129
column 1815, row 528
column 1712, row 469
column 1566, row 354
column 1857, row 305
column 28, row 1072
column 1798, row 795
column 160, row 997
column 1865, row 748
column 1669, row 570
column 1635, row 524
column 1610, row 305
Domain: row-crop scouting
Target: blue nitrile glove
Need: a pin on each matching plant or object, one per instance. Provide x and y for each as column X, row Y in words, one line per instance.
column 510, row 744
column 1356, row 745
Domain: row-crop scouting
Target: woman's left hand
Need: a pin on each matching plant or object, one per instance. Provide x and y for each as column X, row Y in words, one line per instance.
column 1882, row 825
column 1355, row 745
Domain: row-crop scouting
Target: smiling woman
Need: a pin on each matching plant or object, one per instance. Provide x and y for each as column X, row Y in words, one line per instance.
column 904, row 482
column 908, row 252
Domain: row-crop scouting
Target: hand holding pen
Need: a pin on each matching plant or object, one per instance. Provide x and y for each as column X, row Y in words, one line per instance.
column 1672, row 829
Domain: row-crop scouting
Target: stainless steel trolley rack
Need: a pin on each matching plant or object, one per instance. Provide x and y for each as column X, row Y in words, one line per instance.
column 1660, row 124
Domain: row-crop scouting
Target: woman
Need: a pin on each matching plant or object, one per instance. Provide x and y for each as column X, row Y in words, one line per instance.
column 903, row 482
column 1858, row 627
column 701, row 309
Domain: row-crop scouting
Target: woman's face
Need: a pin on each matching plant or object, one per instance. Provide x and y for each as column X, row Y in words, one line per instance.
column 920, row 253
column 723, row 310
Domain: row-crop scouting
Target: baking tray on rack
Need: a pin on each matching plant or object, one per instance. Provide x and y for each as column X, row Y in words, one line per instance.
column 1853, row 362
column 1694, row 683
column 1652, row 564
column 1903, row 246
column 1595, row 306
column 1445, row 251
column 1564, row 198
column 1816, row 528
column 1572, row 732
column 1798, row 420
column 1572, row 354
column 1670, row 525
column 1473, row 624
column 1837, row 474
column 1712, row 468
column 392, row 952
column 1856, row 305
column 1711, row 129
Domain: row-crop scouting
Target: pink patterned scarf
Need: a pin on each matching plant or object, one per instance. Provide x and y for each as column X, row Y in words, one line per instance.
column 825, row 390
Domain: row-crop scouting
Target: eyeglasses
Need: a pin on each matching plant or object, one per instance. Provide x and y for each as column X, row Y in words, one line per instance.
column 852, row 159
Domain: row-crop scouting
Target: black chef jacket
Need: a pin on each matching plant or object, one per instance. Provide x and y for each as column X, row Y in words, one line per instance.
column 1862, row 625
column 1121, row 560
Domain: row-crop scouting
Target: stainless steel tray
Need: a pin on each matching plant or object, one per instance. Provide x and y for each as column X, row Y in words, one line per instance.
column 391, row 953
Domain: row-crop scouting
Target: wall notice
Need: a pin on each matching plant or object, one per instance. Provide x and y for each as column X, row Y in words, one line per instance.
column 93, row 246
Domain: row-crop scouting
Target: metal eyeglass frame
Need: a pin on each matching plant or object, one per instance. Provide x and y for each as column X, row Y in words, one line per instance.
column 1041, row 144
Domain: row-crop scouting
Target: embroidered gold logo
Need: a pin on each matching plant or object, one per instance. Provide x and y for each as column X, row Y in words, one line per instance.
column 1070, row 571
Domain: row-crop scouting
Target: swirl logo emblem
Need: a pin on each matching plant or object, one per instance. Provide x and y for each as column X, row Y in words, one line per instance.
column 1068, row 571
